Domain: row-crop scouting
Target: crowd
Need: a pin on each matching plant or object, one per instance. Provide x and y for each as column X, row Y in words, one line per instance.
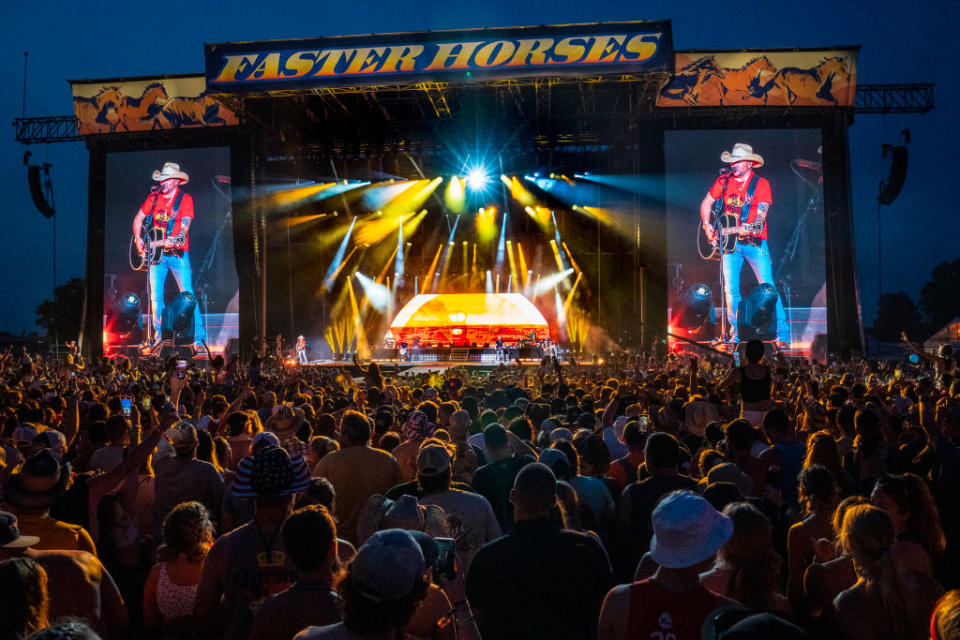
column 650, row 496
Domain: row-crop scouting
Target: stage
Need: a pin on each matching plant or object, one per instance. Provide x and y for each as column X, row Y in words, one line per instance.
column 560, row 194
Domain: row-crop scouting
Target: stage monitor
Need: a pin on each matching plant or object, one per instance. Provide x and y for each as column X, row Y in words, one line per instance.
column 179, row 201
column 770, row 230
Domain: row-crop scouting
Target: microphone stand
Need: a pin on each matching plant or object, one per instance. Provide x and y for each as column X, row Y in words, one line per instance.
column 718, row 237
column 153, row 208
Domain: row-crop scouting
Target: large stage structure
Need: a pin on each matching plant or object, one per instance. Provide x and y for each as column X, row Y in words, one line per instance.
column 534, row 161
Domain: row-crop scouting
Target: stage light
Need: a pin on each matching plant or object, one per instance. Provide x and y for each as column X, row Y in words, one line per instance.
column 124, row 317
column 545, row 284
column 377, row 294
column 454, row 196
column 693, row 315
column 338, row 260
column 477, row 179
column 757, row 314
column 177, row 321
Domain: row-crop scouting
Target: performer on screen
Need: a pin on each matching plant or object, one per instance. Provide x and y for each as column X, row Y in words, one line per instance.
column 747, row 197
column 170, row 210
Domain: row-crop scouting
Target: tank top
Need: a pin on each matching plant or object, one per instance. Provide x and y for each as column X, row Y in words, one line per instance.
column 174, row 600
column 754, row 390
column 658, row 614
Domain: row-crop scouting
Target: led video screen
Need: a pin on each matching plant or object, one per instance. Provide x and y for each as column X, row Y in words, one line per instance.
column 745, row 236
column 169, row 270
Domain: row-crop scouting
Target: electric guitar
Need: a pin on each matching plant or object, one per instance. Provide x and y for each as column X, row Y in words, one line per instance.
column 726, row 237
column 155, row 244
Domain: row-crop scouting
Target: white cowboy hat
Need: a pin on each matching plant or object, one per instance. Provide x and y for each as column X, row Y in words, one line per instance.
column 740, row 152
column 171, row 170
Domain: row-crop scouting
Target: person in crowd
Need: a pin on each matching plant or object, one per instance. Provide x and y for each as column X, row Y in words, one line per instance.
column 747, row 568
column 183, row 478
column 661, row 464
column 907, row 500
column 79, row 584
column 471, row 519
column 415, row 430
column 30, row 493
column 357, row 471
column 249, row 565
column 285, row 421
column 171, row 587
column 494, row 480
column 885, row 602
column 310, row 539
column 539, row 580
column 818, row 495
column 24, row 606
column 383, row 588
column 752, row 383
column 687, row 534
column 945, row 621
column 624, row 469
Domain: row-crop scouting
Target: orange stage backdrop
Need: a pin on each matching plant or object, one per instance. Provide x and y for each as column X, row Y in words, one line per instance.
column 465, row 319
column 801, row 78
column 146, row 104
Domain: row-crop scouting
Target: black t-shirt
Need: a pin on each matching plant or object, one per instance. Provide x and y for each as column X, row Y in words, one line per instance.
column 636, row 508
column 539, row 581
column 493, row 481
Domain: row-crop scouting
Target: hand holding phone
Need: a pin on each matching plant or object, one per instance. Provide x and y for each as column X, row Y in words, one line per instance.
column 181, row 369
column 126, row 406
column 444, row 569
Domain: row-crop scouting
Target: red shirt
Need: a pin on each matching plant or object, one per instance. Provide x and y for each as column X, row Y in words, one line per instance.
column 660, row 614
column 737, row 194
column 164, row 208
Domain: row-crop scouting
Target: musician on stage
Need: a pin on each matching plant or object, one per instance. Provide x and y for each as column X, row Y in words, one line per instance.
column 301, row 350
column 747, row 197
column 169, row 209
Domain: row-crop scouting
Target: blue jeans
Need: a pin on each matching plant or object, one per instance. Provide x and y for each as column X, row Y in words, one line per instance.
column 759, row 260
column 180, row 268
column 302, row 356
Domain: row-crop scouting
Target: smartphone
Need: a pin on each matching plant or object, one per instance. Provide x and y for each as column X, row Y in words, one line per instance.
column 145, row 403
column 181, row 369
column 444, row 568
column 644, row 422
column 126, row 406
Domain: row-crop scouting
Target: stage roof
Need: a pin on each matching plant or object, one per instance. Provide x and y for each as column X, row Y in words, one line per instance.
column 469, row 309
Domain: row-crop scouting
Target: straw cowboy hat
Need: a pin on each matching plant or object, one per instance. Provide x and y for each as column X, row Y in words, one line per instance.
column 406, row 512
column 39, row 483
column 171, row 170
column 740, row 152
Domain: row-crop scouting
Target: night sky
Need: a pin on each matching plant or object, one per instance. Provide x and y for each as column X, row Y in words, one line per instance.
column 901, row 42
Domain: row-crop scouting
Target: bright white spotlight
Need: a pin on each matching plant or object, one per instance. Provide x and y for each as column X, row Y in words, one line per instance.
column 477, row 179
column 377, row 294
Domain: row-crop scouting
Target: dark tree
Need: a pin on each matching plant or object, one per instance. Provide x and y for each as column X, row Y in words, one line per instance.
column 940, row 297
column 61, row 317
column 897, row 312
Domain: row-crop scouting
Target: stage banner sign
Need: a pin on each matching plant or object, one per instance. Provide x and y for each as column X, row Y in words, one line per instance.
column 441, row 56
column 797, row 78
column 146, row 104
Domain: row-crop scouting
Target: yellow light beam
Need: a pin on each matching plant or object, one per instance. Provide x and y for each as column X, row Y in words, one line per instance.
column 433, row 267
column 570, row 255
column 523, row 265
column 556, row 256
column 573, row 289
column 513, row 263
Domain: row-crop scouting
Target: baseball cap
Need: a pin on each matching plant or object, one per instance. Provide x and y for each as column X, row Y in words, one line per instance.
column 24, row 434
column 433, row 460
column 388, row 565
column 183, row 436
column 10, row 537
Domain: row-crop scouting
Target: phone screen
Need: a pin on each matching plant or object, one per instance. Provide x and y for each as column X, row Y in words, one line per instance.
column 126, row 405
column 181, row 368
column 444, row 567
column 644, row 422
column 146, row 403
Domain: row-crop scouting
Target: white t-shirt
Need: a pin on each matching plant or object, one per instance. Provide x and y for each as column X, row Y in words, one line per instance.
column 471, row 519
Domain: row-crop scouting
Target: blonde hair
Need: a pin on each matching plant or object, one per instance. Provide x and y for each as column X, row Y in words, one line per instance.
column 867, row 537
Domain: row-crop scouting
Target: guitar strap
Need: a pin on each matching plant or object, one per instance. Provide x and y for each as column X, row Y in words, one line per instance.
column 745, row 210
column 172, row 221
